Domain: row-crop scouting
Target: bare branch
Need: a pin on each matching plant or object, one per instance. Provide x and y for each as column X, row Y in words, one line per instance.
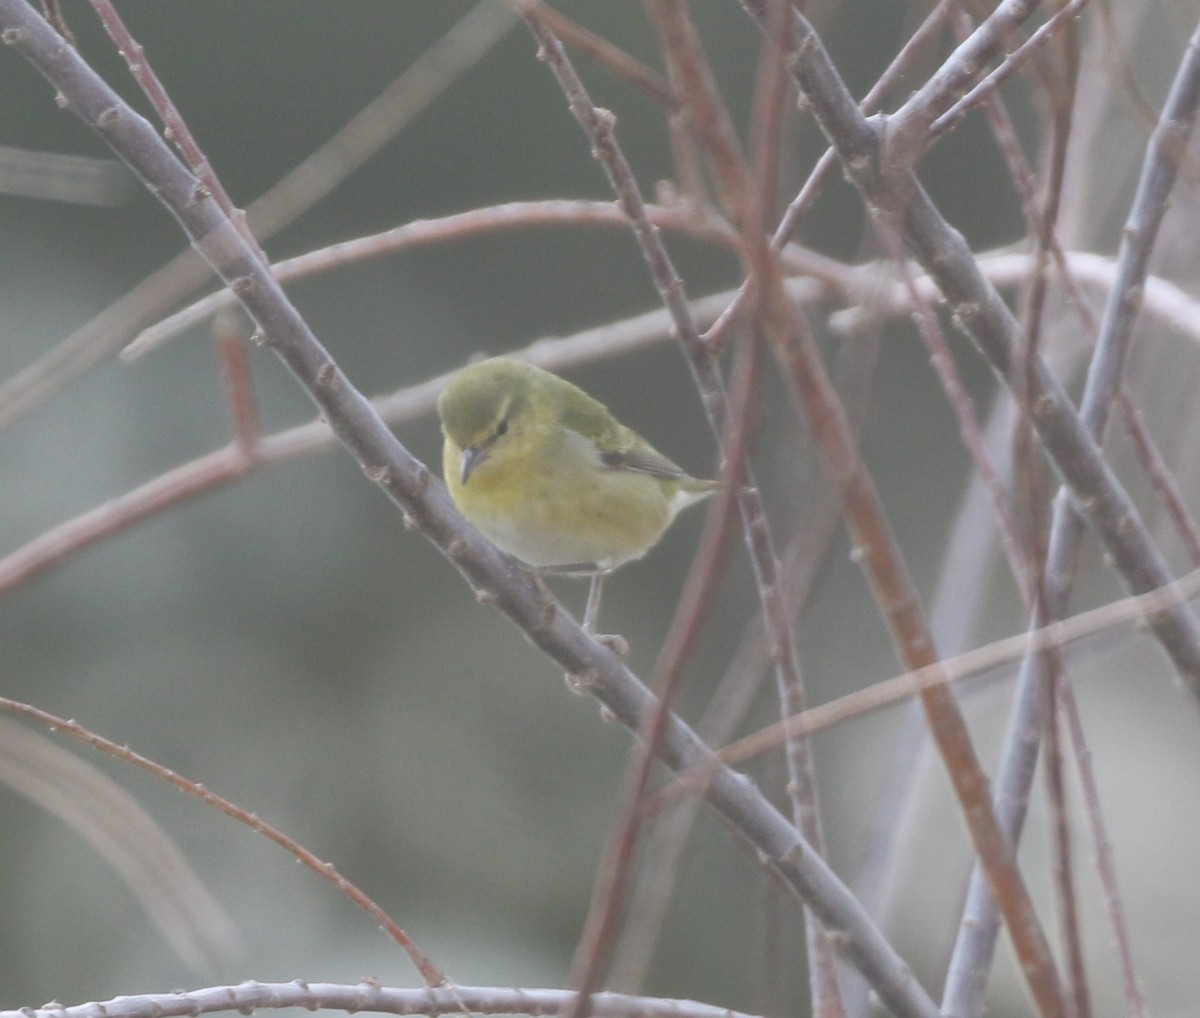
column 371, row 998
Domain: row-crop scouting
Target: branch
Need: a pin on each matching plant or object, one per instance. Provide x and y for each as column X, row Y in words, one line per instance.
column 888, row 692
column 222, row 467
column 231, row 463
column 909, row 125
column 368, row 998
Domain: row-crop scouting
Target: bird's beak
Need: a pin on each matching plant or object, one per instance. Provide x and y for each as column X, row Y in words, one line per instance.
column 471, row 458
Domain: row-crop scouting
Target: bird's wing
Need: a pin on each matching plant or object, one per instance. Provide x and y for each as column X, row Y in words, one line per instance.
column 618, row 447
column 643, row 460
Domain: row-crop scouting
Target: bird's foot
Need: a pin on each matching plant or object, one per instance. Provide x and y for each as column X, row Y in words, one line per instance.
column 614, row 642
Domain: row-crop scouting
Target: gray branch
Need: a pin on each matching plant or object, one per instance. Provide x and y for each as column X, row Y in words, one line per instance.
column 371, row 998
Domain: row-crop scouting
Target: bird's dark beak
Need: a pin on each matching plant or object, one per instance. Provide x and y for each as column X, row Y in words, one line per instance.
column 471, row 458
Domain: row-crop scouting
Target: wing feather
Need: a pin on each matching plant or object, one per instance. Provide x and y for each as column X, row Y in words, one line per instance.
column 617, row 446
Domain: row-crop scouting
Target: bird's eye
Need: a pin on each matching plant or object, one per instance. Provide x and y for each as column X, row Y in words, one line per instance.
column 502, row 428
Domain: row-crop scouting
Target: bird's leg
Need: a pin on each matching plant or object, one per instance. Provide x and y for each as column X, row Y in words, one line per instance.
column 592, row 611
column 590, row 569
column 591, row 615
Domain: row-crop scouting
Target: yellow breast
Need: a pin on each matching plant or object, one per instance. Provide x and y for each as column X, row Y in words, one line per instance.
column 557, row 508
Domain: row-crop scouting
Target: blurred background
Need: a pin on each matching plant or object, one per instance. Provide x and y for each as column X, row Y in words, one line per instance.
column 289, row 644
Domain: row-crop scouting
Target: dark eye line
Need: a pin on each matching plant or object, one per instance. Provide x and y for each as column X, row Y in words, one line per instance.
column 502, row 427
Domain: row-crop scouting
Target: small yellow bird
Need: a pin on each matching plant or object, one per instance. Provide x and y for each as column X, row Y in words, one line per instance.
column 549, row 476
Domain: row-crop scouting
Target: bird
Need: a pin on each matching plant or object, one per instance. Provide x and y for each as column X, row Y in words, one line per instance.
column 550, row 477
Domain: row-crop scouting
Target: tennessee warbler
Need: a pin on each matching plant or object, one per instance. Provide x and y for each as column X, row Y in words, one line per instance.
column 549, row 476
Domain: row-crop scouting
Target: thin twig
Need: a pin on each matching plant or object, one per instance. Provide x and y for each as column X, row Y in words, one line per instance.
column 698, row 589
column 890, row 582
column 604, row 53
column 1071, row 269
column 1063, row 865
column 960, row 403
column 807, row 551
column 447, row 229
column 837, row 281
column 1027, row 561
column 175, row 128
column 430, row 973
column 1058, row 75
column 896, row 597
column 768, row 118
column 692, row 78
column 1106, row 868
column 1129, row 610
column 239, row 384
column 807, row 194
column 745, row 202
column 1160, row 473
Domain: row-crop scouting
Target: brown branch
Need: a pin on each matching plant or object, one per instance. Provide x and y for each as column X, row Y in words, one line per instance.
column 239, row 384
column 230, row 464
column 604, row 53
column 1129, row 610
column 693, row 82
column 430, row 973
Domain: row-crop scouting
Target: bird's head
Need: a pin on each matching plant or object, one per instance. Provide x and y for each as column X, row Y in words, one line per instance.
column 487, row 407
